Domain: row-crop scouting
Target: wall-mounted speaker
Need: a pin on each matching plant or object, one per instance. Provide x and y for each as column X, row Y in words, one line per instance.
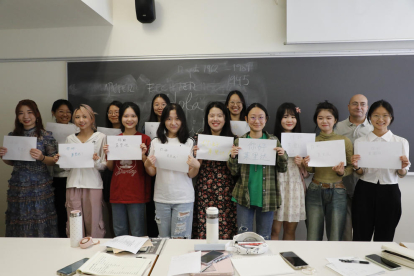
column 145, row 10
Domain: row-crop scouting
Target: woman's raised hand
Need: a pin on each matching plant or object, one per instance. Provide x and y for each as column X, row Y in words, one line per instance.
column 3, row 151
column 279, row 150
column 234, row 151
column 106, row 149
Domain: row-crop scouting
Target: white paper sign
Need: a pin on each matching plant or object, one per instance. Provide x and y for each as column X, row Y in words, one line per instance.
column 109, row 131
column 172, row 157
column 239, row 128
column 76, row 156
column 212, row 147
column 124, row 147
column 18, row 148
column 61, row 131
column 326, row 153
column 295, row 143
column 185, row 264
column 151, row 129
column 379, row 155
column 257, row 151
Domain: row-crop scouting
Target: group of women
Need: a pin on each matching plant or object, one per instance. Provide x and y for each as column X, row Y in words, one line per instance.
column 146, row 199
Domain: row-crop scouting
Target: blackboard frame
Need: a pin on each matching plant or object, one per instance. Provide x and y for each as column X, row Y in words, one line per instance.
column 307, row 81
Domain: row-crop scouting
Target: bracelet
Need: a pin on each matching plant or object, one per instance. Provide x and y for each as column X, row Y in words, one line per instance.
column 340, row 174
column 357, row 169
column 401, row 175
column 44, row 156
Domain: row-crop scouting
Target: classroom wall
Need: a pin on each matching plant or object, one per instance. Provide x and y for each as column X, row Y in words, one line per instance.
column 29, row 66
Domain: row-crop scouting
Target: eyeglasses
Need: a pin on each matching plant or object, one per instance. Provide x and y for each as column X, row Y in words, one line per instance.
column 385, row 116
column 110, row 113
column 235, row 103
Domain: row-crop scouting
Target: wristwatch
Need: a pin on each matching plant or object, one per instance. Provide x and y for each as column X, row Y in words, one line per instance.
column 356, row 169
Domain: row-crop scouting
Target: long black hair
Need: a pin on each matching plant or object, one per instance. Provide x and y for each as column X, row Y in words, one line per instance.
column 122, row 110
column 107, row 122
column 18, row 127
column 290, row 109
column 153, row 117
column 226, row 130
column 182, row 133
column 243, row 113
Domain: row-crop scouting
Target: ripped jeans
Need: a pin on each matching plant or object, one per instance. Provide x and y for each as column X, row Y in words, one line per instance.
column 264, row 220
column 174, row 220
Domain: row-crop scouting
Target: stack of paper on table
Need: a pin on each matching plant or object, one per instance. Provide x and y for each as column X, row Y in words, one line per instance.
column 262, row 265
column 127, row 243
column 398, row 254
column 155, row 248
column 104, row 264
column 353, row 269
column 184, row 264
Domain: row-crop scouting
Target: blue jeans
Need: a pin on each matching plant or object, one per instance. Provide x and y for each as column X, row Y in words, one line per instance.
column 264, row 220
column 174, row 220
column 134, row 214
column 329, row 205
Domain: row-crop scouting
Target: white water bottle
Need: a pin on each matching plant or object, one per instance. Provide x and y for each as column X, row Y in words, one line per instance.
column 212, row 225
column 76, row 234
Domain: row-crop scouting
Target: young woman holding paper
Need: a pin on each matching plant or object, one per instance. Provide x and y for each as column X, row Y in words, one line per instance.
column 112, row 115
column 236, row 105
column 174, row 192
column 292, row 184
column 30, row 200
column 131, row 185
column 376, row 205
column 84, row 185
column 215, row 183
column 256, row 190
column 159, row 102
column 111, row 121
column 326, row 194
column 62, row 110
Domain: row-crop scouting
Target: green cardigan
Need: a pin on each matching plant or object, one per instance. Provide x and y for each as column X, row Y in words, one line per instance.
column 271, row 190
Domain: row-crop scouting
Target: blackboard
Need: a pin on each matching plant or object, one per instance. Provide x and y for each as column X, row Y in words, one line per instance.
column 271, row 81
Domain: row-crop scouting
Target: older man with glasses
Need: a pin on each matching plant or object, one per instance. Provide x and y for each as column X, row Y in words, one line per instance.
column 353, row 127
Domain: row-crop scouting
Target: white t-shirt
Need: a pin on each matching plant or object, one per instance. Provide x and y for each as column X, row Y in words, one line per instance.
column 383, row 176
column 172, row 187
column 89, row 178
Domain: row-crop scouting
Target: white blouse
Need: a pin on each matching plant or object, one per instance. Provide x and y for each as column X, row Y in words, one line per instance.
column 88, row 178
column 384, row 176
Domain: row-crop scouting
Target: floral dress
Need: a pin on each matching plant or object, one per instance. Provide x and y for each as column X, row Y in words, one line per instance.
column 31, row 210
column 213, row 189
column 292, row 192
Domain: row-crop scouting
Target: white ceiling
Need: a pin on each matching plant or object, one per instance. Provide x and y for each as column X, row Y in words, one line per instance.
column 30, row 14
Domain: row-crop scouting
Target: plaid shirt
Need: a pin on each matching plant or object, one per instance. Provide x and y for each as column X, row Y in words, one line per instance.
column 271, row 191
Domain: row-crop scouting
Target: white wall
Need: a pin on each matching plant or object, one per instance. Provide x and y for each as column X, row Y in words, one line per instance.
column 182, row 27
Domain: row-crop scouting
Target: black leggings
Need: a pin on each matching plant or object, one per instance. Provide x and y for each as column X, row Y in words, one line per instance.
column 376, row 210
column 59, row 183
